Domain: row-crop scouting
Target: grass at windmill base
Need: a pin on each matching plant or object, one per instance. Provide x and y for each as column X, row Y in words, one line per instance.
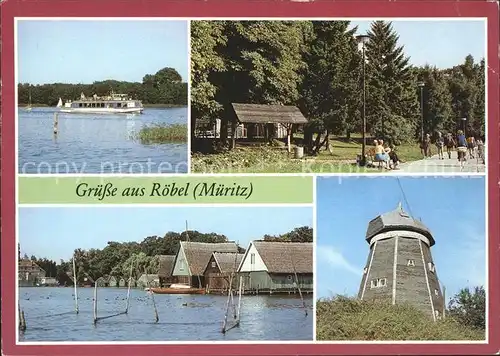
column 267, row 159
column 343, row 318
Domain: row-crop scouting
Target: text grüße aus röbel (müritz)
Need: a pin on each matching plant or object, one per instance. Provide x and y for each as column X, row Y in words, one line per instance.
column 202, row 189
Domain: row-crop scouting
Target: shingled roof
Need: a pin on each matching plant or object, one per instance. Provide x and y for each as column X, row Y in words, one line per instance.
column 397, row 219
column 166, row 265
column 228, row 262
column 198, row 254
column 262, row 114
column 286, row 257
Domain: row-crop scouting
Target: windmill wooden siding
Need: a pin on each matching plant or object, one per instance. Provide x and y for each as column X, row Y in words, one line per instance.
column 277, row 267
column 399, row 267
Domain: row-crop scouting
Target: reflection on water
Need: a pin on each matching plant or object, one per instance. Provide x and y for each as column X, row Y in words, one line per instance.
column 50, row 317
column 97, row 143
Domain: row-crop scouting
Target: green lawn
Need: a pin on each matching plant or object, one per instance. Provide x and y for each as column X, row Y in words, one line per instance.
column 266, row 159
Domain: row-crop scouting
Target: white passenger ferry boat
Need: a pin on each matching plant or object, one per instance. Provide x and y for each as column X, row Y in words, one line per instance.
column 112, row 104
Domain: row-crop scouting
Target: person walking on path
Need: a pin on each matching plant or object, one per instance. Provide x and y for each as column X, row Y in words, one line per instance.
column 471, row 145
column 461, row 148
column 440, row 145
column 450, row 144
column 425, row 146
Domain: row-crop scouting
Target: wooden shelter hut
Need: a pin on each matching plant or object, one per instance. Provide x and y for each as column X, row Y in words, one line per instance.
column 101, row 282
column 112, row 281
column 275, row 267
column 122, row 283
column 400, row 267
column 29, row 273
column 148, row 281
column 192, row 259
column 220, row 268
column 270, row 121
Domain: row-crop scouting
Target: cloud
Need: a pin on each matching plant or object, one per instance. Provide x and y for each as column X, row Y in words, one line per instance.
column 335, row 259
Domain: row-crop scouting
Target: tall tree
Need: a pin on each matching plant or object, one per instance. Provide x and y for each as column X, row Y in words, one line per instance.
column 392, row 107
column 330, row 86
column 206, row 39
column 263, row 61
column 438, row 114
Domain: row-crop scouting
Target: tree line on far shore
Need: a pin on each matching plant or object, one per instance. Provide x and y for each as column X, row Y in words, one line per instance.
column 165, row 87
column 317, row 66
column 116, row 258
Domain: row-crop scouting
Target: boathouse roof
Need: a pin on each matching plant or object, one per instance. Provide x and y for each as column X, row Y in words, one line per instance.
column 397, row 219
column 198, row 253
column 166, row 265
column 228, row 262
column 263, row 114
column 286, row 257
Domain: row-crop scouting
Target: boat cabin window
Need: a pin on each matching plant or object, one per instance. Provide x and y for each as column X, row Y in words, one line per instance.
column 118, row 105
column 80, row 105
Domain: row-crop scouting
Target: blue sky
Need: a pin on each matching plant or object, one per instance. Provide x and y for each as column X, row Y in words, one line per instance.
column 51, row 51
column 453, row 208
column 438, row 43
column 56, row 232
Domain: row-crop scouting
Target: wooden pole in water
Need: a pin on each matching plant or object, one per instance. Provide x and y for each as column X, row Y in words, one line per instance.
column 22, row 319
column 233, row 304
column 298, row 286
column 95, row 303
column 239, row 301
column 74, row 282
column 56, row 122
column 157, row 318
column 227, row 310
column 129, row 284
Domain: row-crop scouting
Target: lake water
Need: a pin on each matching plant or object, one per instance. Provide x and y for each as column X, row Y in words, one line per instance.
column 181, row 317
column 97, row 144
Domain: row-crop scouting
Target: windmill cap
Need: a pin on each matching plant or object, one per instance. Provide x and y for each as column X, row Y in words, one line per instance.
column 397, row 219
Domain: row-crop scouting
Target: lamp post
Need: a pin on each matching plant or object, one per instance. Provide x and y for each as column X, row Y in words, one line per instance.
column 464, row 120
column 421, row 85
column 363, row 39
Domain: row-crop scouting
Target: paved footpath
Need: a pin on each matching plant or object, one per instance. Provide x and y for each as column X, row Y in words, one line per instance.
column 446, row 165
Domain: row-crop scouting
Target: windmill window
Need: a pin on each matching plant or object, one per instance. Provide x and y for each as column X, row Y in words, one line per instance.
column 411, row 263
column 378, row 283
column 436, row 292
column 365, row 270
column 432, row 268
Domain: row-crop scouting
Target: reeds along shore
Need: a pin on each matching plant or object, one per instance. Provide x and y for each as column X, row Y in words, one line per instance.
column 163, row 133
